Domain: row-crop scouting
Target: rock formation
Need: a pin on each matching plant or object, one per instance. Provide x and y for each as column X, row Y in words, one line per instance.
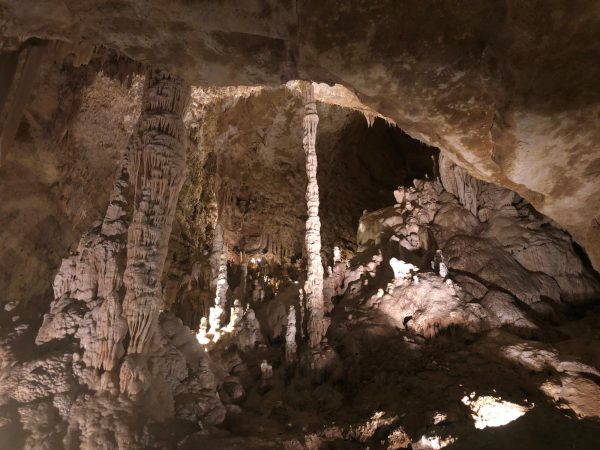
column 290, row 336
column 157, row 169
column 314, row 271
column 450, row 303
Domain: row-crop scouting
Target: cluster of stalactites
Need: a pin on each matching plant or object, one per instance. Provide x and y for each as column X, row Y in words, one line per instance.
column 277, row 247
column 157, row 168
column 314, row 277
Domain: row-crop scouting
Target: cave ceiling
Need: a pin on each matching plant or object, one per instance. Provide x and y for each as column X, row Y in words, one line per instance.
column 509, row 89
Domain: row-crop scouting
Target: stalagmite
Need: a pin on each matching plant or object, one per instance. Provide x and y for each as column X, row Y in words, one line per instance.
column 440, row 262
column 218, row 264
column 157, row 169
column 266, row 370
column 236, row 313
column 337, row 255
column 214, row 321
column 290, row 336
column 302, row 306
column 314, row 276
column 201, row 335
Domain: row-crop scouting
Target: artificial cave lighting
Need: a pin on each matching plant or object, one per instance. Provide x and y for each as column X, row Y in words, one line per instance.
column 490, row 411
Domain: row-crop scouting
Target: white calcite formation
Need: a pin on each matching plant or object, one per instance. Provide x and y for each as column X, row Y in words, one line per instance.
column 313, row 287
column 290, row 337
column 337, row 255
column 221, row 282
column 235, row 315
column 490, row 411
column 301, row 304
column 157, row 169
column 201, row 336
column 218, row 263
column 214, row 320
column 402, row 270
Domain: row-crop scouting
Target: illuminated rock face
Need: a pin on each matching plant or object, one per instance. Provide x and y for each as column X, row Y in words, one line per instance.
column 488, row 411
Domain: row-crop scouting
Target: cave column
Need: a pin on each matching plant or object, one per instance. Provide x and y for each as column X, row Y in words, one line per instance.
column 314, row 276
column 218, row 261
column 157, row 169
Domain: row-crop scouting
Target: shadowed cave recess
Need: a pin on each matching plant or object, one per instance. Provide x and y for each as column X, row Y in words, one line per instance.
column 273, row 253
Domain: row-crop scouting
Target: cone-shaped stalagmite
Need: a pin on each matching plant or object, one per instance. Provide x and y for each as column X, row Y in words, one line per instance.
column 314, row 276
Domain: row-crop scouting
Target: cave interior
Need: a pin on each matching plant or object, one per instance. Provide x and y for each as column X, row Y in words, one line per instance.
column 302, row 248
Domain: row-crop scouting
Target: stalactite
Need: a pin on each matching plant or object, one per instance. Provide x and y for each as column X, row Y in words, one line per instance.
column 314, row 277
column 157, row 174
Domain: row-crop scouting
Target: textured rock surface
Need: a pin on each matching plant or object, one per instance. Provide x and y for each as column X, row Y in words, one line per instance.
column 454, row 77
column 314, row 267
column 459, row 305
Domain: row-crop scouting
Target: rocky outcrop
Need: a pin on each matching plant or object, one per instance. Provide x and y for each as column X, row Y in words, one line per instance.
column 523, row 252
column 506, row 264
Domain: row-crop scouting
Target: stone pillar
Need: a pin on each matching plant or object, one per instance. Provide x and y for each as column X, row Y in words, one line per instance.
column 314, row 278
column 290, row 337
column 157, row 169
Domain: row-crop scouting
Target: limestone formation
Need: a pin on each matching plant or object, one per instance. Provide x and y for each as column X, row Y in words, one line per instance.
column 314, row 272
column 157, row 174
column 337, row 255
column 290, row 336
column 402, row 270
column 236, row 313
column 248, row 331
column 302, row 308
column 220, row 248
column 201, row 336
column 214, row 321
column 456, row 287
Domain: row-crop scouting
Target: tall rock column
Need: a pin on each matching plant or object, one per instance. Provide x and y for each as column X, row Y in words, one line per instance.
column 157, row 170
column 314, row 277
